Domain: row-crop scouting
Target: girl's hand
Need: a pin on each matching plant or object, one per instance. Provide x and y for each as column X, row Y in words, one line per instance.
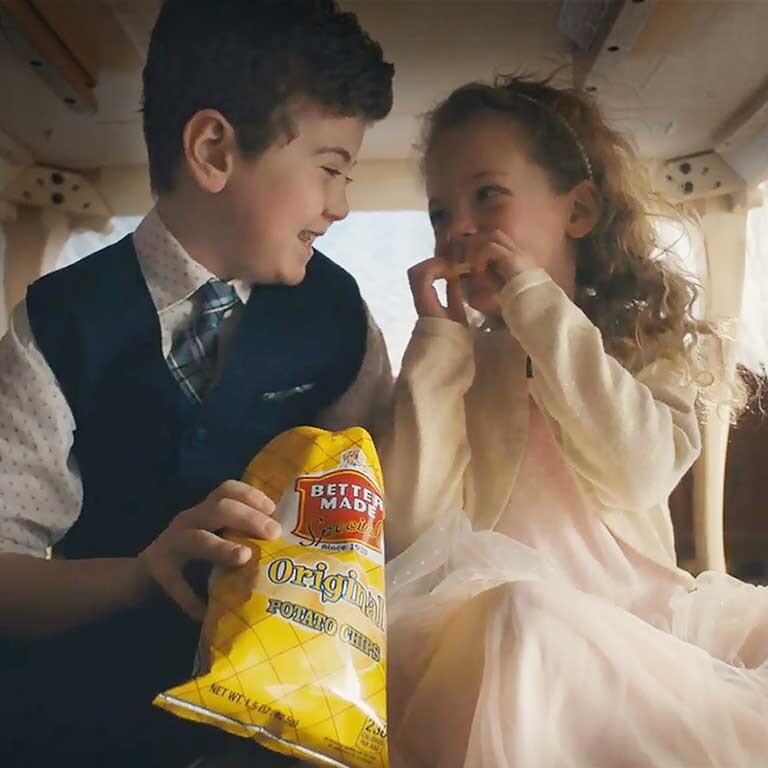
column 496, row 253
column 422, row 278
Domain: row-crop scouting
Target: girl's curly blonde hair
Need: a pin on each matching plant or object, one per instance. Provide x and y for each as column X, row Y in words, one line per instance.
column 642, row 305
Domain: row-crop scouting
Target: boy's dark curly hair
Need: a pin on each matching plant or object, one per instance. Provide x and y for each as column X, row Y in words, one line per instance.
column 251, row 60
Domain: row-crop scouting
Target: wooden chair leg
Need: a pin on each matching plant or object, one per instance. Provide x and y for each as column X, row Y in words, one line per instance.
column 708, row 495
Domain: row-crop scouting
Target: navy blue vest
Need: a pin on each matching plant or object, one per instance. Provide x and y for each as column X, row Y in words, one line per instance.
column 146, row 452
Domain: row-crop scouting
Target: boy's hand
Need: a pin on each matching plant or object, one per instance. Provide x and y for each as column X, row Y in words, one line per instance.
column 192, row 536
column 422, row 278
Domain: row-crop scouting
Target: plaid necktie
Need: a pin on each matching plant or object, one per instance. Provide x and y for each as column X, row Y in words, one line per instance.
column 193, row 353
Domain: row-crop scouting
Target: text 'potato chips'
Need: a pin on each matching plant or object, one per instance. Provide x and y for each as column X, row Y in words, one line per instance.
column 294, row 641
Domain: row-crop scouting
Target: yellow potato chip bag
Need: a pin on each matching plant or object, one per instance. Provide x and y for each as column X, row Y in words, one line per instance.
column 294, row 641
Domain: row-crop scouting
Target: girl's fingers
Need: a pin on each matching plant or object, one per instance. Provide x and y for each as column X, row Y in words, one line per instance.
column 453, row 255
column 486, row 252
column 455, row 299
column 427, row 303
column 500, row 262
column 422, row 278
column 503, row 239
column 428, row 271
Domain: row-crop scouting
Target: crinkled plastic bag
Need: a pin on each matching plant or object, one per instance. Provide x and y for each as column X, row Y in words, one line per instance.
column 294, row 641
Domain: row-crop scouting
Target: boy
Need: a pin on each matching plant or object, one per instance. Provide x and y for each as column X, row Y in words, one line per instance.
column 136, row 385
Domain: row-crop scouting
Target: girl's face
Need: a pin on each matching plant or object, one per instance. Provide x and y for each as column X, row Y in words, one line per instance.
column 479, row 179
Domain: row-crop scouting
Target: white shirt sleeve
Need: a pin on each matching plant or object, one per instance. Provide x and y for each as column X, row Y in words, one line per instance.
column 40, row 488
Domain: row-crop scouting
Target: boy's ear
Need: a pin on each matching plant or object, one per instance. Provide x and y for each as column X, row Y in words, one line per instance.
column 209, row 148
column 586, row 208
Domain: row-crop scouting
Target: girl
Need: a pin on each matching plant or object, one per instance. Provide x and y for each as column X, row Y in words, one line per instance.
column 537, row 616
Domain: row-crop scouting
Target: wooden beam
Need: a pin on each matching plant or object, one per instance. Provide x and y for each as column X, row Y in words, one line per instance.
column 743, row 138
column 743, row 124
column 14, row 151
column 602, row 31
column 37, row 43
column 136, row 20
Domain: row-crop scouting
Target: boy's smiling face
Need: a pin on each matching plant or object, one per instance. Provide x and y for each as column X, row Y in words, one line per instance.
column 278, row 202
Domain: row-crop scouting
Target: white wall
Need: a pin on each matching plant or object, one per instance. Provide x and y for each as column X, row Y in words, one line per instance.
column 377, row 247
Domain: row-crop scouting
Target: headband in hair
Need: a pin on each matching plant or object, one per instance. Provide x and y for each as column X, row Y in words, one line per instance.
column 566, row 125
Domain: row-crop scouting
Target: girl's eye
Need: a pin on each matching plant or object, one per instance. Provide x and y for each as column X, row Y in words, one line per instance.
column 333, row 172
column 485, row 193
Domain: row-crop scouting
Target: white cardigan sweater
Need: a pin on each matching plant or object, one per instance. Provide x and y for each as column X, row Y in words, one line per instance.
column 458, row 432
